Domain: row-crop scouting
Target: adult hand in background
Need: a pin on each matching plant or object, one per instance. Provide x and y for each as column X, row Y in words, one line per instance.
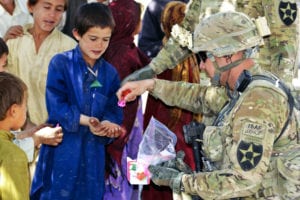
column 13, row 32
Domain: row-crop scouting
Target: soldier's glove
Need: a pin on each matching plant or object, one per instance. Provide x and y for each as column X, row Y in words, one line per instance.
column 166, row 177
column 141, row 74
column 178, row 163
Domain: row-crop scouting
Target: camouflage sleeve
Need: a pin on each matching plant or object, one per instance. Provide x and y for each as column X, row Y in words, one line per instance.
column 169, row 56
column 279, row 52
column 248, row 134
column 189, row 96
column 172, row 53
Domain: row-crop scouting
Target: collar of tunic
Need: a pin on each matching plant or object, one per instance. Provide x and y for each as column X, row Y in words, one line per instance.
column 6, row 135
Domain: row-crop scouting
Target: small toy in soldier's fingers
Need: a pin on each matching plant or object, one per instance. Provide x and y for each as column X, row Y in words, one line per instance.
column 122, row 102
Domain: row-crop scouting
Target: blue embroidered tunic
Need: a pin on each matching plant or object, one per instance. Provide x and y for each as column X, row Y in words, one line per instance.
column 75, row 169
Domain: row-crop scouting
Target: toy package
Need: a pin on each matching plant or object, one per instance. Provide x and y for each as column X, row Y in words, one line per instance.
column 157, row 146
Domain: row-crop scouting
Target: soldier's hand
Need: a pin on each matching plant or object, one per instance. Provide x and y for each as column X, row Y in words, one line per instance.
column 131, row 90
column 164, row 176
column 178, row 163
column 141, row 74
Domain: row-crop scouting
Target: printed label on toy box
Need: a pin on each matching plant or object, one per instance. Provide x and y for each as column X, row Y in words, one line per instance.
column 137, row 173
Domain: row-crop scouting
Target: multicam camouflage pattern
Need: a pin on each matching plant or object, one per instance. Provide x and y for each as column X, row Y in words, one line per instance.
column 278, row 55
column 172, row 53
column 247, row 132
column 225, row 33
column 242, row 143
column 191, row 96
column 282, row 180
column 169, row 56
column 288, row 173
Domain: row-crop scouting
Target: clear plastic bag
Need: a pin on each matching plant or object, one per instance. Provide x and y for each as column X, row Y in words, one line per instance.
column 157, row 145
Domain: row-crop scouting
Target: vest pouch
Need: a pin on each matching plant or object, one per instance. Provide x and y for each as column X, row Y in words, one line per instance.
column 288, row 166
column 212, row 143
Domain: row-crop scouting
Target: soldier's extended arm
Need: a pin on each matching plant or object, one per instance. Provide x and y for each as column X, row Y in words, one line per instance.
column 189, row 96
column 247, row 140
column 172, row 53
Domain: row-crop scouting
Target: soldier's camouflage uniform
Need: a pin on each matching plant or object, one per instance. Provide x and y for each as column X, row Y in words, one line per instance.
column 278, row 55
column 241, row 143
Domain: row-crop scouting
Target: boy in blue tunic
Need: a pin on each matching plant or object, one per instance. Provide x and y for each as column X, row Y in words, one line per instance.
column 80, row 97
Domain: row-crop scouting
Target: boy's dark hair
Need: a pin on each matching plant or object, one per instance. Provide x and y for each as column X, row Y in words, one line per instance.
column 3, row 47
column 91, row 15
column 12, row 90
column 33, row 2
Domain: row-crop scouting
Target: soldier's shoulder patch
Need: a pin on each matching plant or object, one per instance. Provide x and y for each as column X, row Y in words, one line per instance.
column 287, row 12
column 253, row 131
column 249, row 155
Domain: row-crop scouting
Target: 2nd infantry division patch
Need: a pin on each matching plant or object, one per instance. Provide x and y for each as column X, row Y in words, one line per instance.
column 287, row 12
column 249, row 155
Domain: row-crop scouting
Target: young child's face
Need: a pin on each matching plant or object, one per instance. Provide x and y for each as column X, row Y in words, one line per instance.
column 3, row 61
column 93, row 43
column 47, row 13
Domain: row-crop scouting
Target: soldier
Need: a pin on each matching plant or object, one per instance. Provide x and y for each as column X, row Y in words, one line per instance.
column 278, row 55
column 256, row 125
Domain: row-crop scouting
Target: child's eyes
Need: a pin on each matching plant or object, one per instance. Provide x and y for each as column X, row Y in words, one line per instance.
column 93, row 39
column 60, row 9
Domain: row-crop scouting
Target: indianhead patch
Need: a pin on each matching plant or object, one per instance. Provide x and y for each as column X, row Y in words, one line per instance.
column 249, row 155
column 287, row 12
